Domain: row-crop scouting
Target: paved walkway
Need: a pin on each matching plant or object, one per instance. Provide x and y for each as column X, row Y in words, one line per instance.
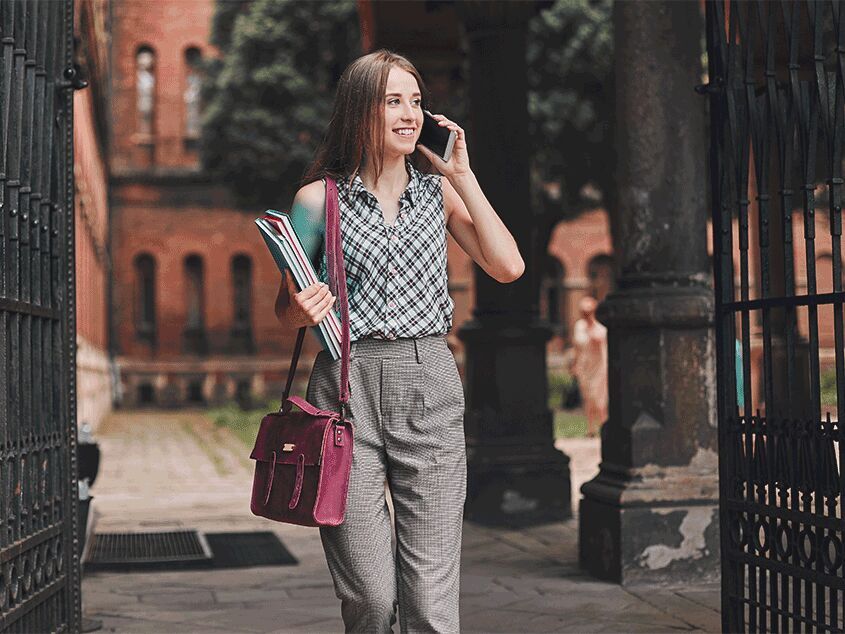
column 162, row 471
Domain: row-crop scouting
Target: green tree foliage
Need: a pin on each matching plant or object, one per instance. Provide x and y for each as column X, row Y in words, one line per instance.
column 268, row 98
column 570, row 99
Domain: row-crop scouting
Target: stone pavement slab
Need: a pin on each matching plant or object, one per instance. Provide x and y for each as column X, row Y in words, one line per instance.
column 167, row 470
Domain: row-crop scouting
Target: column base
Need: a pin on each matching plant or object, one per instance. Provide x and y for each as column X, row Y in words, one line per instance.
column 651, row 525
column 515, row 476
column 517, row 486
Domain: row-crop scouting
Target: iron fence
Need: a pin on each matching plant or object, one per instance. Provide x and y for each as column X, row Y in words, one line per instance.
column 39, row 579
column 776, row 77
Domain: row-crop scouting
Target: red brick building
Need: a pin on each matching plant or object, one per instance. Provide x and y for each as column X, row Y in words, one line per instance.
column 95, row 376
column 193, row 286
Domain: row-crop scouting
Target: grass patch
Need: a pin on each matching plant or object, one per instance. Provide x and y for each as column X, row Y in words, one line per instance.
column 242, row 423
column 567, row 423
column 206, row 447
column 570, row 424
column 827, row 381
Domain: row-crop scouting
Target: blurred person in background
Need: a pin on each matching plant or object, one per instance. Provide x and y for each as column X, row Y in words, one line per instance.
column 589, row 364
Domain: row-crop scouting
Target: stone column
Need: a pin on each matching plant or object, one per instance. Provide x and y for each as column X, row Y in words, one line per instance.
column 515, row 473
column 652, row 512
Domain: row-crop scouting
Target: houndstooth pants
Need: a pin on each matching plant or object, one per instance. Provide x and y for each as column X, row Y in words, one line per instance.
column 407, row 405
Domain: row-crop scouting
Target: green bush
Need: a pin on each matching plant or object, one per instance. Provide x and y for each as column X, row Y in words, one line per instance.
column 559, row 383
column 567, row 424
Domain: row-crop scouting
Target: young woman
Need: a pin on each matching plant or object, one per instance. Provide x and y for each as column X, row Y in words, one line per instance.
column 406, row 400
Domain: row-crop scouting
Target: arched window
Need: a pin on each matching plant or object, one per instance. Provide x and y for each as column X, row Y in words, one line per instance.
column 195, row 340
column 242, row 299
column 600, row 272
column 145, row 88
column 145, row 311
column 191, row 95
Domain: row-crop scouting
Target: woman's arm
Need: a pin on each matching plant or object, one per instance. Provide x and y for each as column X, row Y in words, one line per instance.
column 479, row 231
column 470, row 218
column 307, row 215
column 308, row 307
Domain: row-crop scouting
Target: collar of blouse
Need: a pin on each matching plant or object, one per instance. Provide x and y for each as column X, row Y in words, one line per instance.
column 357, row 191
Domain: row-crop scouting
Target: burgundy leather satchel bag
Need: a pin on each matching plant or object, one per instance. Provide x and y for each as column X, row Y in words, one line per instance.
column 303, row 458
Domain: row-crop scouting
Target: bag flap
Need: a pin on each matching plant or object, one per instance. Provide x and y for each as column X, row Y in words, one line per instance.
column 289, row 435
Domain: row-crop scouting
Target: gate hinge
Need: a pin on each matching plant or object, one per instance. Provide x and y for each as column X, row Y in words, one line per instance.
column 715, row 86
column 72, row 79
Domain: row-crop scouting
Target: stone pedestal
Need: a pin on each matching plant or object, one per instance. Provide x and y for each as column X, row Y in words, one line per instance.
column 652, row 512
column 515, row 475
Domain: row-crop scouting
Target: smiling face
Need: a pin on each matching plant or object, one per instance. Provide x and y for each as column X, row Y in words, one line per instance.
column 403, row 115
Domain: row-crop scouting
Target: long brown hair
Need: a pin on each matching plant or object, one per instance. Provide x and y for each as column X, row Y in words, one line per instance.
column 355, row 130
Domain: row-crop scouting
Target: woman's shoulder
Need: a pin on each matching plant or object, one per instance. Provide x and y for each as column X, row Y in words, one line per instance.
column 312, row 196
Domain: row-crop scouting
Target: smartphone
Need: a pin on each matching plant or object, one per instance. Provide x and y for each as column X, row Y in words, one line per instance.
column 436, row 138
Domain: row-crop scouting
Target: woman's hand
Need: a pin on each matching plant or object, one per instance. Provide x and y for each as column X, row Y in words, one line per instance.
column 307, row 307
column 458, row 163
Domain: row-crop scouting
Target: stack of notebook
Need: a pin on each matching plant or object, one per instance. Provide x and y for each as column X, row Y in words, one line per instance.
column 287, row 250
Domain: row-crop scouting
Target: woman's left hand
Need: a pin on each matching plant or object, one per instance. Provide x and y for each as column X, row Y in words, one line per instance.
column 458, row 163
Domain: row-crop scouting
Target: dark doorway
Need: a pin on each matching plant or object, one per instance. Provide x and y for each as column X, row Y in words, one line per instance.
column 146, row 394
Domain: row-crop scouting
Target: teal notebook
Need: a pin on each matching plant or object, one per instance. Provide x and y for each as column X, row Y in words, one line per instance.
column 287, row 251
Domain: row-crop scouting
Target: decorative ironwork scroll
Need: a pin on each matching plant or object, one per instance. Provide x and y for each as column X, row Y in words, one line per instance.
column 39, row 562
column 776, row 79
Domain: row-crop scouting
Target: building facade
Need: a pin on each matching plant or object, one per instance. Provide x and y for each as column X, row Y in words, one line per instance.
column 95, row 371
column 192, row 285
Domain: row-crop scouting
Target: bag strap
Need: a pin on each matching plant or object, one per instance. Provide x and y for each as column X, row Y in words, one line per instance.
column 337, row 287
column 284, row 407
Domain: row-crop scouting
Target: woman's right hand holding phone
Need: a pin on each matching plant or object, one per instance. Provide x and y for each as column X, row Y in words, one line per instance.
column 307, row 307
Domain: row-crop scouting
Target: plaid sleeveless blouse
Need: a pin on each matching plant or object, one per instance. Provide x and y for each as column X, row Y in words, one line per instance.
column 395, row 275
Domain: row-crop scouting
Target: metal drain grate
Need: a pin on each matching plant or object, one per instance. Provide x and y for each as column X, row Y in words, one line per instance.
column 122, row 551
column 185, row 549
column 242, row 550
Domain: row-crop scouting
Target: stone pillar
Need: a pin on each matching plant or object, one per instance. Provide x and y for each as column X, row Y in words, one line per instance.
column 515, row 473
column 652, row 512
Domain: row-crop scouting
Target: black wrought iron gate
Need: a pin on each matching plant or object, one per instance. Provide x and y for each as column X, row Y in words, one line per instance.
column 39, row 579
column 776, row 78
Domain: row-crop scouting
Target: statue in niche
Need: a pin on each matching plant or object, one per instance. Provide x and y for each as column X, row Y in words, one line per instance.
column 192, row 105
column 145, row 84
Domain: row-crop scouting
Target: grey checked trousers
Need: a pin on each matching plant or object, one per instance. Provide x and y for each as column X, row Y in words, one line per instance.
column 407, row 405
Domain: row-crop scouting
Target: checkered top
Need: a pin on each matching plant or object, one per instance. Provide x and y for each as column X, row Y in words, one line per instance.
column 395, row 275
